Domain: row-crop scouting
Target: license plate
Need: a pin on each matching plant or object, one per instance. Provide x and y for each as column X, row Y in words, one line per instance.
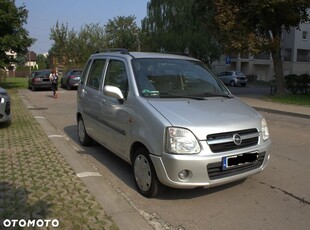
column 238, row 160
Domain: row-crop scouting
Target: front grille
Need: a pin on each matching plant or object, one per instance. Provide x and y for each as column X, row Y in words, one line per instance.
column 222, row 142
column 215, row 170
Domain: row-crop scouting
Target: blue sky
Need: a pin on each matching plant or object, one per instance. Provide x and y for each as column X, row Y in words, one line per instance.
column 43, row 15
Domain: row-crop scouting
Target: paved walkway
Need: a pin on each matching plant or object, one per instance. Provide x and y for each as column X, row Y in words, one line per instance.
column 36, row 182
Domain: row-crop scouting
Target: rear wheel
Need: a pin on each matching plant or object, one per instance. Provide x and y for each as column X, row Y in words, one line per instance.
column 145, row 176
column 82, row 134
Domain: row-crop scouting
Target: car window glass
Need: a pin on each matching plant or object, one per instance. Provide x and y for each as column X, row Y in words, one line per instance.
column 117, row 76
column 85, row 70
column 156, row 77
column 95, row 73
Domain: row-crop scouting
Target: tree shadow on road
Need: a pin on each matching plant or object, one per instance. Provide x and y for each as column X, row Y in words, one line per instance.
column 17, row 203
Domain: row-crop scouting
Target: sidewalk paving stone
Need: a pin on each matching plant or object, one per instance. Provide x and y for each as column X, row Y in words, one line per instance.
column 36, row 183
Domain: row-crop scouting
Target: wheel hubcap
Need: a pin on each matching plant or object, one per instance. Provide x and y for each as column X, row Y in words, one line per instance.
column 142, row 172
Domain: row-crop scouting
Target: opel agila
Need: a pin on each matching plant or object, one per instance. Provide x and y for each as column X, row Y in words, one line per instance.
column 171, row 118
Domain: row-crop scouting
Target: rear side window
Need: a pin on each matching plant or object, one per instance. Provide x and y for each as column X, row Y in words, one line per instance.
column 85, row 70
column 95, row 73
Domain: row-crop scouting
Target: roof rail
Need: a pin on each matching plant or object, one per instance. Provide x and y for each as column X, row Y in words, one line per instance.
column 121, row 50
column 185, row 53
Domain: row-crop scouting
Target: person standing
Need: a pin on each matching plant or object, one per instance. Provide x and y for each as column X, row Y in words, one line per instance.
column 54, row 81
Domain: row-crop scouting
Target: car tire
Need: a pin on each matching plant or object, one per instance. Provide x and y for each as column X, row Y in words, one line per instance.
column 243, row 85
column 84, row 139
column 232, row 83
column 144, row 173
column 33, row 88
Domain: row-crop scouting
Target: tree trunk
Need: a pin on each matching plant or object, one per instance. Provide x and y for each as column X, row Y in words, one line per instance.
column 277, row 62
column 279, row 78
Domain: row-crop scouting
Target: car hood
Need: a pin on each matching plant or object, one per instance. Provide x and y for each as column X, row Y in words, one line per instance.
column 3, row 91
column 208, row 116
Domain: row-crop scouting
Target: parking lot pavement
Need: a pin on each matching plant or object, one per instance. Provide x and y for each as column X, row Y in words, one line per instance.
column 36, row 182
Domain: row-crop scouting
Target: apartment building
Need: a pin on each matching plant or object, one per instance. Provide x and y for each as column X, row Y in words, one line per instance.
column 296, row 50
column 295, row 54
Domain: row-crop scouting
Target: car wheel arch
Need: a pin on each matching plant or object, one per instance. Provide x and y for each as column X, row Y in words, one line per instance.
column 136, row 145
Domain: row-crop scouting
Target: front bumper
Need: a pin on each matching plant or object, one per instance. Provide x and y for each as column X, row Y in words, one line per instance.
column 201, row 167
column 5, row 110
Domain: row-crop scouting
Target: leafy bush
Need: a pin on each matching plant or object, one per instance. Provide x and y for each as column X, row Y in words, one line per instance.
column 298, row 84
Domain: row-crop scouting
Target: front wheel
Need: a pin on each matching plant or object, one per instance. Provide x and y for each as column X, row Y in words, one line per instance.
column 232, row 83
column 82, row 134
column 145, row 176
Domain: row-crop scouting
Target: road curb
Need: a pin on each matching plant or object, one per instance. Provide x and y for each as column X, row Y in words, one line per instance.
column 306, row 116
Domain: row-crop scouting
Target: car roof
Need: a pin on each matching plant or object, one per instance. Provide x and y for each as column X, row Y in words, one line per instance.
column 133, row 55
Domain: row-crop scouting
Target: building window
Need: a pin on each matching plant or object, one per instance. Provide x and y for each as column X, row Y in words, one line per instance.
column 303, row 55
column 304, row 35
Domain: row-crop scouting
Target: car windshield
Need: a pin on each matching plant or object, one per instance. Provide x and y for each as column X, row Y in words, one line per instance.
column 239, row 74
column 174, row 78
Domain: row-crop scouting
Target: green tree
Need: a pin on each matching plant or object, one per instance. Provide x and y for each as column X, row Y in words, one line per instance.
column 253, row 26
column 172, row 26
column 64, row 44
column 72, row 48
column 13, row 37
column 122, row 32
column 89, row 39
column 43, row 61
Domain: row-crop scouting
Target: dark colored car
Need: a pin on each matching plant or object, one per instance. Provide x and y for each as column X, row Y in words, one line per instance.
column 40, row 79
column 5, row 106
column 71, row 79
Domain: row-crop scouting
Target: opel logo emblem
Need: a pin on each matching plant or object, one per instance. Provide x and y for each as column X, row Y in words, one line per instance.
column 237, row 139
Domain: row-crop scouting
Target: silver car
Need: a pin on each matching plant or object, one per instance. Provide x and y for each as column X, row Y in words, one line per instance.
column 171, row 119
column 5, row 106
column 233, row 78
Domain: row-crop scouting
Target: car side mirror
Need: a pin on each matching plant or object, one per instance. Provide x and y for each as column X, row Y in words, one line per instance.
column 115, row 92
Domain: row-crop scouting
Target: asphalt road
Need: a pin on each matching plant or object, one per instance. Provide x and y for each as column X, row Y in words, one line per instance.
column 277, row 198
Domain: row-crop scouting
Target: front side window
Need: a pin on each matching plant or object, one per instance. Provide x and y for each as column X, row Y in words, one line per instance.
column 95, row 73
column 117, row 76
column 161, row 77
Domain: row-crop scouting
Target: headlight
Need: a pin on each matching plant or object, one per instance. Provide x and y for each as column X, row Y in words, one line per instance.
column 2, row 100
column 181, row 141
column 265, row 130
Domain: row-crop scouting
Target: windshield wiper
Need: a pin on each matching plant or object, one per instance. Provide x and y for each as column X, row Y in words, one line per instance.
column 172, row 95
column 218, row 95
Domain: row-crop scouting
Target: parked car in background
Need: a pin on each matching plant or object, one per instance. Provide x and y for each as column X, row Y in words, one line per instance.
column 71, row 79
column 233, row 78
column 5, row 106
column 171, row 119
column 39, row 79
